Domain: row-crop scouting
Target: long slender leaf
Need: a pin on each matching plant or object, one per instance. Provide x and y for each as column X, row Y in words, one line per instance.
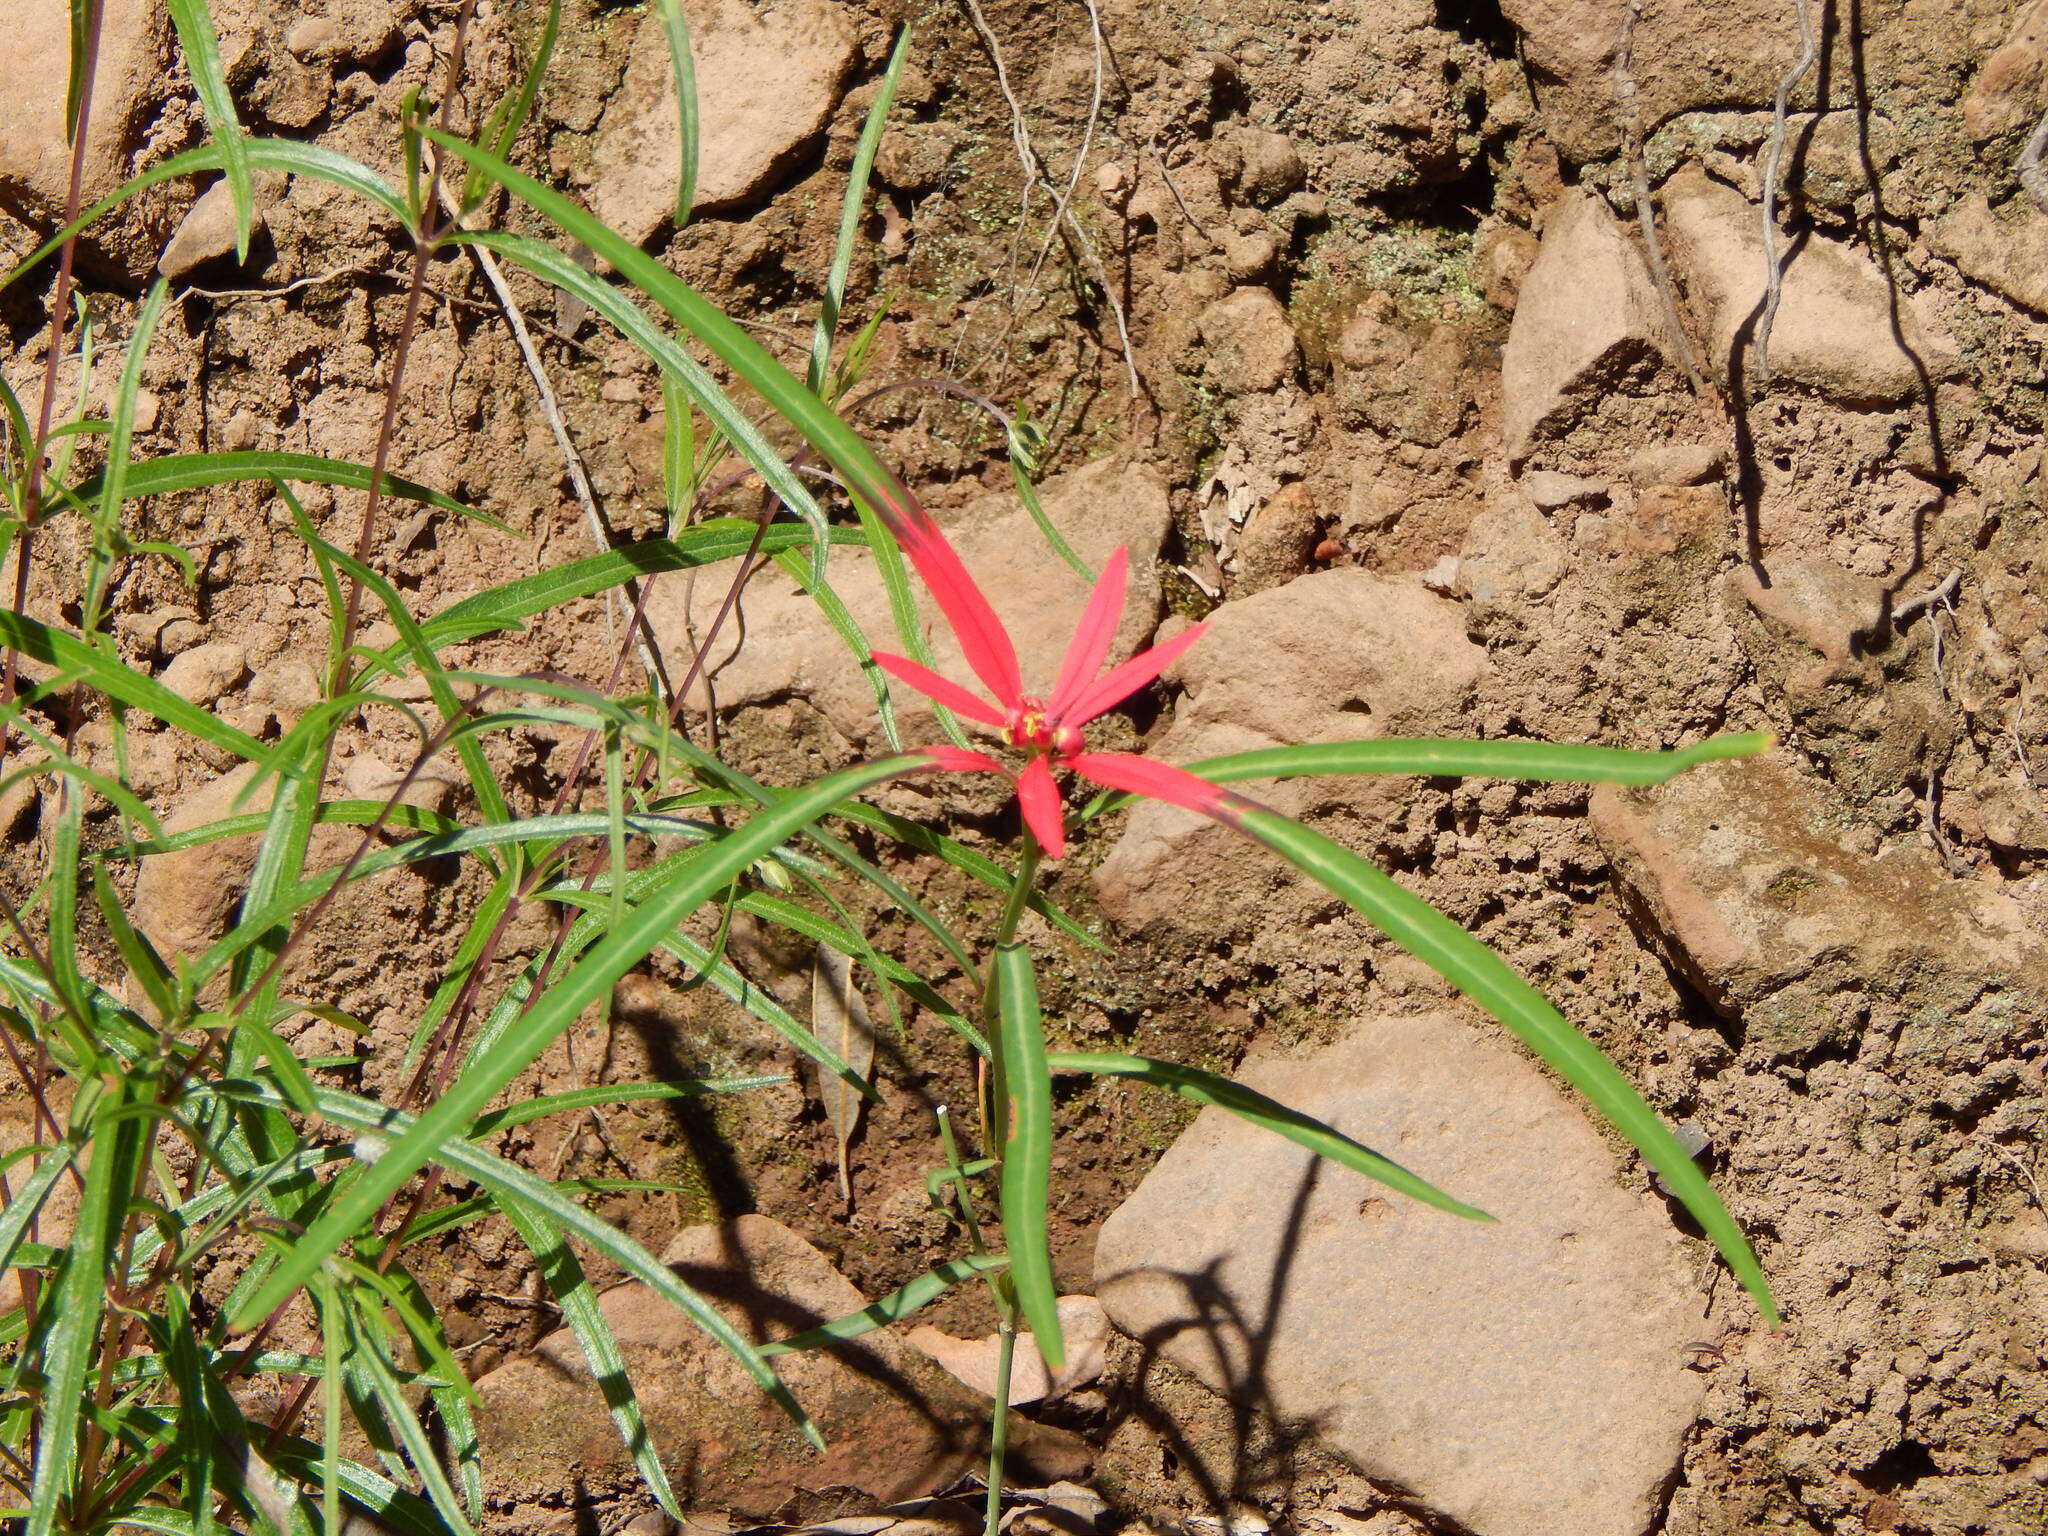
column 586, row 1320
column 590, row 979
column 201, row 47
column 612, row 1093
column 192, row 471
column 819, row 425
column 78, row 1301
column 1487, row 979
column 871, row 131
column 1248, row 1104
column 1026, row 1083
column 76, row 659
column 894, row 1307
column 676, row 28
column 508, row 1181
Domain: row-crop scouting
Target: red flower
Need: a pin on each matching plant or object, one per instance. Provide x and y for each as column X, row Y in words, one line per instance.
column 1047, row 730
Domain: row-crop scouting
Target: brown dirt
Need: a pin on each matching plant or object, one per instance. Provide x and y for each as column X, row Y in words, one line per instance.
column 1893, row 1197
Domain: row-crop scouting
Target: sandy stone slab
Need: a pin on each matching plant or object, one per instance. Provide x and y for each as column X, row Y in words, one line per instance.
column 1524, row 1378
column 895, row 1425
column 766, row 84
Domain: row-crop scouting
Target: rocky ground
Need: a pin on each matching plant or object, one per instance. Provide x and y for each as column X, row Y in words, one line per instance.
column 1448, row 398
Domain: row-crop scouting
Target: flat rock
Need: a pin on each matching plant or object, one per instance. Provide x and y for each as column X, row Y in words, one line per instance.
column 207, row 232
column 35, row 155
column 1833, row 612
column 1523, row 1378
column 1340, row 655
column 1550, row 489
column 2006, row 251
column 183, row 900
column 767, row 81
column 1834, row 328
column 1569, row 47
column 1587, row 315
column 791, row 650
column 1248, row 342
column 896, row 1426
column 1744, row 875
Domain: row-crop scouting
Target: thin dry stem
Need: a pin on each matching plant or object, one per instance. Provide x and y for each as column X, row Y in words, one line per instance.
column 2033, row 175
column 1774, row 162
column 1035, row 177
column 1639, row 183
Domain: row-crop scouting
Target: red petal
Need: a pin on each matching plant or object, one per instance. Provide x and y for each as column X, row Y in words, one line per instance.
column 1154, row 780
column 945, row 690
column 1095, row 632
column 983, row 640
column 1119, row 683
column 961, row 760
column 1039, row 798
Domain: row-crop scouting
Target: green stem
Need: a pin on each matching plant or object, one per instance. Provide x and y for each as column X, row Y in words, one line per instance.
column 999, row 1426
column 994, row 1134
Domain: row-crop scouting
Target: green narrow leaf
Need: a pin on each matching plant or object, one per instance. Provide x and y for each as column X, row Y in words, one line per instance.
column 544, row 261
column 611, row 1093
column 1550, row 762
column 586, row 1320
column 78, row 1301
column 507, row 1181
column 591, row 978
column 1206, row 1088
column 894, row 1307
column 201, row 47
column 1487, row 979
column 1027, row 1149
column 192, row 471
column 683, row 68
column 75, row 658
column 510, row 115
column 850, row 212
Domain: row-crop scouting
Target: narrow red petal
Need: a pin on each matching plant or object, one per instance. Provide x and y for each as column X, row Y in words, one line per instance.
column 1094, row 634
column 943, row 689
column 962, row 760
column 1119, row 683
column 1039, row 798
column 983, row 640
column 1153, row 779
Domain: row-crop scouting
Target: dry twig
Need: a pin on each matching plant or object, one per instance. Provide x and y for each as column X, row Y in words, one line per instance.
column 1639, row 183
column 2033, row 174
column 1774, row 163
column 1035, row 177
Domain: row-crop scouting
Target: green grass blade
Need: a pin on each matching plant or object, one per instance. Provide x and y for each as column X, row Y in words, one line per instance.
column 1027, row 1148
column 1487, row 979
column 27, row 1200
column 504, row 607
column 1206, row 1088
column 676, row 28
column 78, row 1303
column 192, row 471
column 586, row 1320
column 1549, row 762
column 843, row 448
column 287, row 155
column 74, row 658
column 612, row 1093
column 892, row 1308
column 120, row 435
column 399, row 1414
column 590, row 979
column 689, row 375
column 871, row 130
column 507, row 1181
column 201, row 47
column 511, row 114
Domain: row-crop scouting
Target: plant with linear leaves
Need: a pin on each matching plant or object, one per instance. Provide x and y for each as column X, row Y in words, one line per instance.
column 237, row 1195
